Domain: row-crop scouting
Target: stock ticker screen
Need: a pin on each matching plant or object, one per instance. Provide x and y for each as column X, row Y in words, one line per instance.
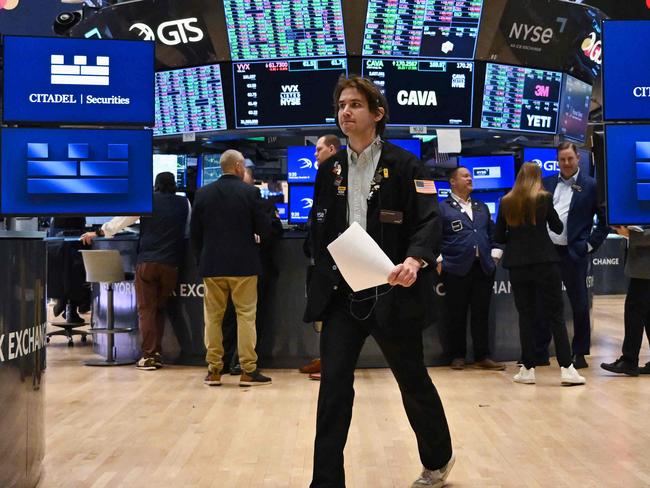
column 574, row 113
column 422, row 28
column 521, row 99
column 272, row 29
column 189, row 100
column 422, row 92
column 285, row 93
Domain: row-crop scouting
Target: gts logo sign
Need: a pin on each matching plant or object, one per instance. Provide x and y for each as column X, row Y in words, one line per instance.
column 547, row 165
column 420, row 98
column 535, row 33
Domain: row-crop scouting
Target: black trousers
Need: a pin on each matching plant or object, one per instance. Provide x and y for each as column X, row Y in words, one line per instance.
column 574, row 277
column 540, row 283
column 470, row 293
column 637, row 318
column 341, row 341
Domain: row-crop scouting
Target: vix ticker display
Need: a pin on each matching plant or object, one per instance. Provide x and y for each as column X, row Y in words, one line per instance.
column 437, row 93
column 521, row 99
column 285, row 93
column 422, row 28
column 55, row 80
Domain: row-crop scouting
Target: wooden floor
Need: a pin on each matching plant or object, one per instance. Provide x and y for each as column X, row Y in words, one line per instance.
column 119, row 427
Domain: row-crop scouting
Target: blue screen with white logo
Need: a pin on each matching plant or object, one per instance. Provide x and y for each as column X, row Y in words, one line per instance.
column 283, row 210
column 301, row 164
column 444, row 190
column 62, row 80
column 492, row 199
column 301, row 199
column 490, row 172
column 627, row 153
column 76, row 171
column 626, row 70
column 546, row 159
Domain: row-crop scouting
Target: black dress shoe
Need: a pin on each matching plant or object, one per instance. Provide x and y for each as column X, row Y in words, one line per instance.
column 579, row 362
column 71, row 315
column 621, row 367
column 59, row 307
column 645, row 369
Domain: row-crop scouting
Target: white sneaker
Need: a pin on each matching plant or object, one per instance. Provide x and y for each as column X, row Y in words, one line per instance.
column 435, row 478
column 525, row 376
column 570, row 376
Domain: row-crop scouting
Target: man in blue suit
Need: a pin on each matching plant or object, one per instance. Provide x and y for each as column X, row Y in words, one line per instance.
column 575, row 198
column 468, row 265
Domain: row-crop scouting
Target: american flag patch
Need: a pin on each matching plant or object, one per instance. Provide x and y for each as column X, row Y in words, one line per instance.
column 428, row 187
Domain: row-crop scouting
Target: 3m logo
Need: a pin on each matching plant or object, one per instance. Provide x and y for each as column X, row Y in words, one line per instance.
column 643, row 170
column 79, row 174
column 79, row 73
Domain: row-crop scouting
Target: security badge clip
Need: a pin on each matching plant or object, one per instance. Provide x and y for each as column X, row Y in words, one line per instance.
column 341, row 190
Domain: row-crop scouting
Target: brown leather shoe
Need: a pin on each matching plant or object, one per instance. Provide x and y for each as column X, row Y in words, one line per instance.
column 489, row 364
column 313, row 367
column 458, row 363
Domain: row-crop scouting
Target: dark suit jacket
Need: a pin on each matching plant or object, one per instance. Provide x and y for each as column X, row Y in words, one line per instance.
column 226, row 215
column 460, row 236
column 418, row 235
column 529, row 244
column 584, row 205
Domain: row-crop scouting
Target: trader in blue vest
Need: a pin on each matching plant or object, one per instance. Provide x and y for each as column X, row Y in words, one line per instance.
column 468, row 264
column 576, row 201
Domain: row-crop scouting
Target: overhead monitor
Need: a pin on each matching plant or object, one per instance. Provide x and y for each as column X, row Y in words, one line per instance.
column 520, row 99
column 77, row 81
column 284, row 29
column 490, row 172
column 443, row 188
column 210, row 168
column 422, row 28
column 175, row 164
column 283, row 211
column 435, row 93
column 626, row 76
column 190, row 100
column 627, row 171
column 301, row 164
column 413, row 146
column 288, row 93
column 492, row 199
column 76, row 172
column 301, row 199
column 574, row 109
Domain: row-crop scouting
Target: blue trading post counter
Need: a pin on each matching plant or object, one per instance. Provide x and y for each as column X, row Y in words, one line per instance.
column 22, row 357
column 284, row 341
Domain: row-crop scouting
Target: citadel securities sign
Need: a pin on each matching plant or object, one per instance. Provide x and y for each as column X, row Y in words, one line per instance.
column 78, row 81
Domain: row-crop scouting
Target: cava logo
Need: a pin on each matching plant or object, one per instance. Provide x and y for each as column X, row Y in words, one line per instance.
column 535, row 33
column 458, row 80
column 421, row 98
column 170, row 33
column 306, row 163
column 592, row 47
column 542, row 91
column 447, row 47
column 307, row 202
column 290, row 96
column 539, row 121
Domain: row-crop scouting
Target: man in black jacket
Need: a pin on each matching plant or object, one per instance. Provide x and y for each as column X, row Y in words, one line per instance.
column 379, row 186
column 226, row 217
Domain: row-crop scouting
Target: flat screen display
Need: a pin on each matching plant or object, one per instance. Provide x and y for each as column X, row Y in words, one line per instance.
column 301, row 164
column 437, row 93
column 492, row 199
column 627, row 170
column 175, row 164
column 626, row 76
column 286, row 93
column 490, row 172
column 422, row 28
column 210, row 168
column 189, row 100
column 281, row 29
column 546, row 159
column 574, row 109
column 76, row 171
column 520, row 99
column 444, row 189
column 283, row 211
column 67, row 81
column 301, row 199
column 411, row 145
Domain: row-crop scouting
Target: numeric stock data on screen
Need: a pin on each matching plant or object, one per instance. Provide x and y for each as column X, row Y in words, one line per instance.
column 273, row 29
column 422, row 28
column 521, row 99
column 285, row 93
column 189, row 100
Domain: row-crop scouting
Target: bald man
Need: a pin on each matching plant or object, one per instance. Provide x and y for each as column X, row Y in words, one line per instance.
column 227, row 215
